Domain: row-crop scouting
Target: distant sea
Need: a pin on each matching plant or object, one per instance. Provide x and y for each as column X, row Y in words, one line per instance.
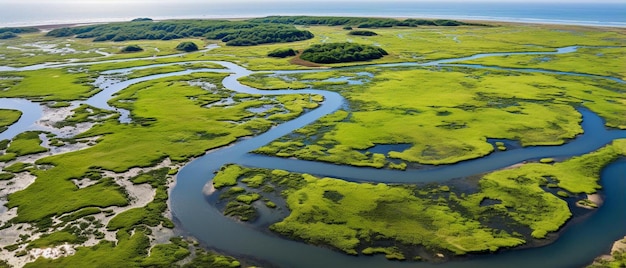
column 22, row 13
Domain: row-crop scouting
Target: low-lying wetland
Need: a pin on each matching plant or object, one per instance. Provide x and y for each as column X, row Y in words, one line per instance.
column 93, row 183
column 508, row 208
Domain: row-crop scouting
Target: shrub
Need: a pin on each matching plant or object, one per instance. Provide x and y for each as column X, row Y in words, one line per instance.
column 282, row 53
column 362, row 33
column 187, row 46
column 132, row 48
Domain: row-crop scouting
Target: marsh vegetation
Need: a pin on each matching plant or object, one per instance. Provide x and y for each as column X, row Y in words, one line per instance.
column 104, row 190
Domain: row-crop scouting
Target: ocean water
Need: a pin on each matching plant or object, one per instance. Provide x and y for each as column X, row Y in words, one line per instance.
column 24, row 13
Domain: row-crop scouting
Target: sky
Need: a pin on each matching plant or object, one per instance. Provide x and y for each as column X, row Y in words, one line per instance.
column 288, row 1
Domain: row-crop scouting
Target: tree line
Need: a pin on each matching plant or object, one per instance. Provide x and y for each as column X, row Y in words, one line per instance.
column 233, row 33
column 356, row 21
column 12, row 32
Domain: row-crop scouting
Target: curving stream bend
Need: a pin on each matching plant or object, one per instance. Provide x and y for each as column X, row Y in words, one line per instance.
column 198, row 219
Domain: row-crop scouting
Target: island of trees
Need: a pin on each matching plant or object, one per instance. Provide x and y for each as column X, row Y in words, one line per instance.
column 187, row 46
column 342, row 52
column 131, row 48
column 362, row 33
column 282, row 53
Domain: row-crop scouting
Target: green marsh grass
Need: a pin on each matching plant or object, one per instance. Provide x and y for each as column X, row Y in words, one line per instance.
column 8, row 117
column 173, row 68
column 460, row 108
column 450, row 122
column 126, row 252
column 26, row 50
column 598, row 61
column 53, row 239
column 171, row 122
column 26, row 143
column 50, row 85
column 362, row 217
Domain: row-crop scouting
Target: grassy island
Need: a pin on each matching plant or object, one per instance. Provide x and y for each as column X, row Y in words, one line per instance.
column 8, row 117
column 342, row 52
column 362, row 217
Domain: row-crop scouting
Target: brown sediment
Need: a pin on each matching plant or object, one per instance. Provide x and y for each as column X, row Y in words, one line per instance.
column 298, row 61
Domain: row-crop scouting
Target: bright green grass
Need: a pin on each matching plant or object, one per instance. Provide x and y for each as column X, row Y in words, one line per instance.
column 127, row 252
column 6, row 176
column 598, row 61
column 26, row 143
column 50, row 85
column 164, row 255
column 28, row 52
column 53, row 239
column 134, row 250
column 8, row 117
column 209, row 259
column 355, row 217
column 150, row 47
column 450, row 122
column 227, row 176
column 370, row 212
column 18, row 167
column 150, row 215
column 173, row 68
column 172, row 122
column 85, row 113
column 391, row 253
column 80, row 213
column 270, row 82
column 426, row 43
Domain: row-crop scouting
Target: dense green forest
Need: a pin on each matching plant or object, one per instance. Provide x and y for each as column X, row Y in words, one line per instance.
column 233, row 33
column 355, row 21
column 19, row 30
column 12, row 32
column 342, row 52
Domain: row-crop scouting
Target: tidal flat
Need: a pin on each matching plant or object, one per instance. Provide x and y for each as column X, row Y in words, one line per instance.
column 105, row 192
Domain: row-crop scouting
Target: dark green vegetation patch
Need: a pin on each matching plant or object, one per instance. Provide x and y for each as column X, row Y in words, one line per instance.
column 187, row 46
column 282, row 53
column 12, row 32
column 362, row 33
column 233, row 33
column 142, row 19
column 360, row 22
column 131, row 48
column 342, row 52
column 7, row 35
